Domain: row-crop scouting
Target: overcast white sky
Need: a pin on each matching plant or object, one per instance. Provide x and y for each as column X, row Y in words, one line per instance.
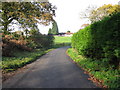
column 68, row 13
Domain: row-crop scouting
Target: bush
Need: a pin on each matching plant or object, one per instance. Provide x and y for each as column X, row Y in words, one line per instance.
column 10, row 45
column 13, row 41
column 100, row 40
column 42, row 41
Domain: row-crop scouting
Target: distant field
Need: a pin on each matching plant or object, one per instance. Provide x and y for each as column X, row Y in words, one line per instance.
column 61, row 39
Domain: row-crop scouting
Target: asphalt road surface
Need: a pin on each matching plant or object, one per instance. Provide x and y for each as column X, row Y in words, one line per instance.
column 53, row 70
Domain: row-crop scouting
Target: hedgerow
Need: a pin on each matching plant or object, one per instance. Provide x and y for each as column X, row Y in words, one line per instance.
column 100, row 44
column 100, row 41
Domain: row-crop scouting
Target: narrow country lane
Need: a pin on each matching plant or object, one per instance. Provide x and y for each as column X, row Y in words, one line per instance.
column 53, row 70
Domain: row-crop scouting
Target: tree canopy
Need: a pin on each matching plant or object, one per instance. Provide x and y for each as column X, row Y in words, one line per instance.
column 105, row 10
column 54, row 29
column 28, row 14
column 95, row 14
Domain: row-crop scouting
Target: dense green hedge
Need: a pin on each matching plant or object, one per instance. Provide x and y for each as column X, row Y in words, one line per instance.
column 100, row 40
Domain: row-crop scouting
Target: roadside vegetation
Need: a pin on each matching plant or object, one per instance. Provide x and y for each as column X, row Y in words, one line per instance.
column 96, row 48
column 20, row 59
column 18, row 52
column 98, row 71
column 16, row 56
column 24, row 46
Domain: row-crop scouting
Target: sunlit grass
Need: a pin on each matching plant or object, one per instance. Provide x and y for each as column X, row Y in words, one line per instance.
column 20, row 59
column 61, row 39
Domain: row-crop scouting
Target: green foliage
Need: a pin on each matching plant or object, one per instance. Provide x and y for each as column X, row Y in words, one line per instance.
column 100, row 40
column 54, row 30
column 15, row 41
column 99, row 69
column 105, row 10
column 42, row 41
column 95, row 14
column 50, row 31
column 68, row 31
column 80, row 40
column 20, row 59
column 28, row 14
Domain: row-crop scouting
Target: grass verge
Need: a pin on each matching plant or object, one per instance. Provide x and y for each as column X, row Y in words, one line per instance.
column 20, row 59
column 105, row 77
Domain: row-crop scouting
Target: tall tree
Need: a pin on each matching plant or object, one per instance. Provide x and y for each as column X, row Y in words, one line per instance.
column 27, row 14
column 49, row 32
column 54, row 29
column 68, row 31
column 105, row 10
column 95, row 14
